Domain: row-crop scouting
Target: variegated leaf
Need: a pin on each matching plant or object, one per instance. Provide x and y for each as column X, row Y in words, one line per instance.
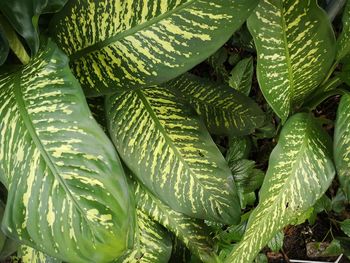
column 114, row 43
column 153, row 243
column 342, row 144
column 343, row 43
column 300, row 171
column 224, row 110
column 192, row 232
column 30, row 255
column 242, row 76
column 67, row 193
column 295, row 44
column 165, row 144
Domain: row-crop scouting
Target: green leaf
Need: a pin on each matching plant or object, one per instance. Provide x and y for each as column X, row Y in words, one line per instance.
column 276, row 243
column 295, row 44
column 125, row 44
column 300, row 171
column 67, row 193
column 30, row 255
column 261, row 258
column 242, row 76
column 24, row 16
column 339, row 201
column 342, row 144
column 192, row 232
column 345, row 226
column 343, row 42
column 152, row 245
column 165, row 144
column 239, row 148
column 224, row 110
column 13, row 41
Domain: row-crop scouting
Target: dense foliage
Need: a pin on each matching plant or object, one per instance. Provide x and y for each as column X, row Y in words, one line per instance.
column 172, row 131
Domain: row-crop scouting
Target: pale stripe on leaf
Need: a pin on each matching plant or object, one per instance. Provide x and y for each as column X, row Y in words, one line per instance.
column 343, row 43
column 224, row 110
column 295, row 45
column 67, row 193
column 166, row 145
column 114, row 43
column 192, row 232
column 152, row 244
column 342, row 144
column 300, row 171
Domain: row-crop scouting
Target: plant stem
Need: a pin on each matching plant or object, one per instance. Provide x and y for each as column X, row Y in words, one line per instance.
column 14, row 42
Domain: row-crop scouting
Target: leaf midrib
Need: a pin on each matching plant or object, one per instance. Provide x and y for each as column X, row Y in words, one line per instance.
column 162, row 207
column 283, row 189
column 166, row 136
column 31, row 129
column 288, row 60
column 104, row 43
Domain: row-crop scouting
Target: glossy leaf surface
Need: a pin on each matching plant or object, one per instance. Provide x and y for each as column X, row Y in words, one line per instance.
column 342, row 144
column 114, row 43
column 24, row 16
column 67, row 193
column 295, row 45
column 224, row 110
column 165, row 144
column 192, row 232
column 152, row 244
column 300, row 171
column 343, row 44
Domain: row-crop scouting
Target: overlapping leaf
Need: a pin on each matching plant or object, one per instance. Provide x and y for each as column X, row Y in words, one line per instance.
column 343, row 44
column 30, row 255
column 67, row 194
column 165, row 144
column 224, row 110
column 152, row 244
column 295, row 44
column 116, row 43
column 24, row 17
column 342, row 144
column 300, row 171
column 192, row 232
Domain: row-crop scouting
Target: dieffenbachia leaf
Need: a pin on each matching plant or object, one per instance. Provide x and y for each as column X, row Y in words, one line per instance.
column 24, row 17
column 122, row 44
column 67, row 193
column 225, row 111
column 242, row 76
column 345, row 226
column 165, row 144
column 295, row 45
column 192, row 232
column 342, row 144
column 152, row 244
column 300, row 171
column 30, row 255
column 343, row 42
